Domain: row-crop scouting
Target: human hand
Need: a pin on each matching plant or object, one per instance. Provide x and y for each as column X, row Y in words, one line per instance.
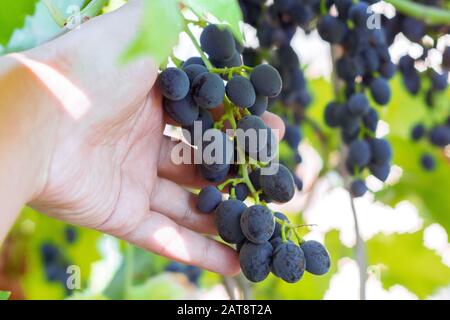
column 108, row 166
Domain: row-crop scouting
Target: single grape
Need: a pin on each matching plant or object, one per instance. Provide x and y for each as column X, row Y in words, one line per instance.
column 218, row 42
column 370, row 120
column 359, row 14
column 413, row 29
column 380, row 90
column 216, row 150
column 289, row 262
column 278, row 186
column 193, row 70
column 193, row 60
column 214, row 176
column 260, row 105
column 331, row 29
column 381, row 150
column 266, row 80
column 380, row 171
column 254, row 179
column 228, row 220
column 439, row 81
column 234, row 61
column 330, row 114
column 293, row 136
column 418, row 132
column 208, row 90
column 255, row 260
column 358, row 104
column 208, row 199
column 257, row 224
column 174, row 84
column 317, row 257
column 241, row 191
column 440, row 136
column 428, row 162
column 184, row 111
column 359, row 153
column 71, row 234
column 240, row 91
column 358, row 188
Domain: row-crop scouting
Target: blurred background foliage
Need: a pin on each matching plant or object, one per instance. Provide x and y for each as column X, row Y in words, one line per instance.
column 38, row 247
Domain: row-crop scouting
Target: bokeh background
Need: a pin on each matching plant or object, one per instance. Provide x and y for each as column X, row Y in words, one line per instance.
column 404, row 223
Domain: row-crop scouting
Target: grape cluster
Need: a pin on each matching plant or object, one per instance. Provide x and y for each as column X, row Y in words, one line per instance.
column 192, row 273
column 243, row 161
column 55, row 264
column 429, row 82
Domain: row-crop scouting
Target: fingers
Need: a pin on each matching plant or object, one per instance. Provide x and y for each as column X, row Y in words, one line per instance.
column 161, row 235
column 179, row 205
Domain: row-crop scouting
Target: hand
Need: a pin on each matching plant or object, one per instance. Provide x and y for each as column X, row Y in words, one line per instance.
column 109, row 165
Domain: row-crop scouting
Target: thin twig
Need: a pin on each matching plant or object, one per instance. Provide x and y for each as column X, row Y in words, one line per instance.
column 230, row 286
column 360, row 251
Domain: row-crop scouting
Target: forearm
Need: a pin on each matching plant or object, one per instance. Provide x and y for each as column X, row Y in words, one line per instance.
column 22, row 146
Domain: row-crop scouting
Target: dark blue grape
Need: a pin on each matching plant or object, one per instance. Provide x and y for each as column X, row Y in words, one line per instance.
column 173, row 83
column 358, row 104
column 428, row 162
column 331, row 118
column 380, row 90
column 331, row 29
column 241, row 191
column 71, row 234
column 439, row 82
column 359, row 153
column 381, row 151
column 298, row 182
column 413, row 29
column 193, row 70
column 255, row 260
column 359, row 14
column 228, row 220
column 380, row 171
column 293, row 136
column 260, row 105
column 240, row 91
column 208, row 199
column 370, row 120
column 254, row 178
column 440, row 136
column 193, row 60
column 214, row 176
column 266, row 80
column 184, row 111
column 234, row 61
column 279, row 186
column 289, row 262
column 195, row 131
column 358, row 188
column 218, row 42
column 417, row 132
column 317, row 257
column 208, row 90
column 257, row 224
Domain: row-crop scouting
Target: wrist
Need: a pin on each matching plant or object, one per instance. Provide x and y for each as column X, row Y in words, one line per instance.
column 27, row 122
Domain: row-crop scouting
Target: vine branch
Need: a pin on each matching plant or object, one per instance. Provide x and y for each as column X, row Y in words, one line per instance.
column 427, row 14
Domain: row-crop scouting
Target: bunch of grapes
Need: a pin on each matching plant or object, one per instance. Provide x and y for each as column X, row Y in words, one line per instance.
column 242, row 159
column 430, row 82
column 55, row 264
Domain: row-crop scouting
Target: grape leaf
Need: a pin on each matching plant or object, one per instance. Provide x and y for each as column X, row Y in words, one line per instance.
column 4, row 295
column 408, row 263
column 12, row 16
column 224, row 10
column 161, row 25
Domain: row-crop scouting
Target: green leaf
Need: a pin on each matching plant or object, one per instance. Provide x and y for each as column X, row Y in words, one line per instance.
column 4, row 295
column 161, row 26
column 407, row 262
column 12, row 16
column 226, row 11
column 161, row 287
column 310, row 286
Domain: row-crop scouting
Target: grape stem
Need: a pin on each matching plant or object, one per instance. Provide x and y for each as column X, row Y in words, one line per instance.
column 55, row 13
column 429, row 15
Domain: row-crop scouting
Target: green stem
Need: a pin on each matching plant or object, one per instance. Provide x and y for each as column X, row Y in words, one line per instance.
column 129, row 269
column 93, row 8
column 199, row 49
column 56, row 14
column 427, row 14
column 178, row 63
